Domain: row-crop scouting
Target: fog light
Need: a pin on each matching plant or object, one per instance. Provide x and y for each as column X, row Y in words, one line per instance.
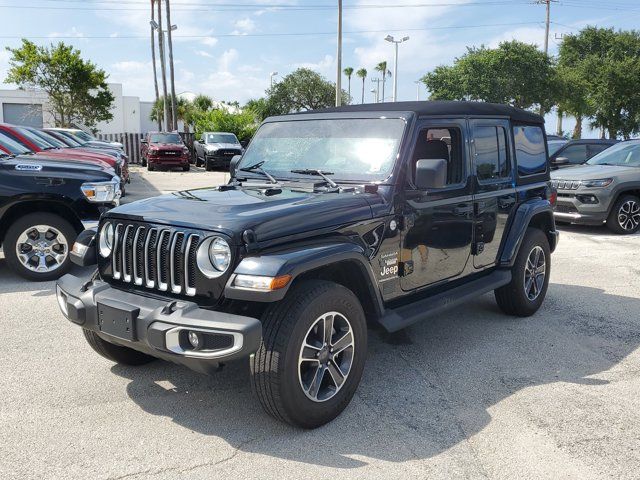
column 587, row 198
column 195, row 339
column 62, row 301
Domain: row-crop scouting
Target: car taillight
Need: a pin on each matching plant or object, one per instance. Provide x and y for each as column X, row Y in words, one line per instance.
column 552, row 195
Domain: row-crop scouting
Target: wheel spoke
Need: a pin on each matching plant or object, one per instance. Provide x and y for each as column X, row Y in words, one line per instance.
column 314, row 387
column 343, row 343
column 309, row 352
column 328, row 329
column 336, row 374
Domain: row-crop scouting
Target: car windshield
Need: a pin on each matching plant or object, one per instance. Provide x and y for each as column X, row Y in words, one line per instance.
column 625, row 154
column 165, row 138
column 68, row 140
column 221, row 138
column 49, row 139
column 71, row 137
column 82, row 135
column 13, row 146
column 33, row 138
column 351, row 149
column 555, row 145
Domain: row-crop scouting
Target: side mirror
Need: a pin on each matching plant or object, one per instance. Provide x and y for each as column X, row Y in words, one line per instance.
column 431, row 173
column 143, row 141
column 233, row 165
column 561, row 161
column 244, row 143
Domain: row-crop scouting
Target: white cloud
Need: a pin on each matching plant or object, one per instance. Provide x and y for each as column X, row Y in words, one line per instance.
column 4, row 65
column 323, row 66
column 209, row 41
column 227, row 59
column 245, row 25
column 532, row 35
column 71, row 33
column 202, row 53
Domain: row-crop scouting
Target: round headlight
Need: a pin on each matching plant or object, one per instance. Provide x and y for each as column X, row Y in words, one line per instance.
column 105, row 241
column 214, row 257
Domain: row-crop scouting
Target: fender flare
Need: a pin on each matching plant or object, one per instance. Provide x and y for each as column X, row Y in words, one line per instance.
column 296, row 262
column 539, row 210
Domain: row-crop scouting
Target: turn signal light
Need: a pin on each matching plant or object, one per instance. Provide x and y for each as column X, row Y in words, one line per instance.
column 257, row 282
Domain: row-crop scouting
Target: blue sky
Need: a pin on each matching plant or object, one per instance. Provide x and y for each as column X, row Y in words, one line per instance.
column 227, row 49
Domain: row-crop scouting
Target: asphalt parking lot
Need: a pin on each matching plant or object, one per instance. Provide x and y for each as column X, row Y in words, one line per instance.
column 471, row 394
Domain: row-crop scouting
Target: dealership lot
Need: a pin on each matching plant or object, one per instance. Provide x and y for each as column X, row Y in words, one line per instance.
column 470, row 394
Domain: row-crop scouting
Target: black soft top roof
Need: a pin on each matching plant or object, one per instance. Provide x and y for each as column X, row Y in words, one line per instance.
column 441, row 108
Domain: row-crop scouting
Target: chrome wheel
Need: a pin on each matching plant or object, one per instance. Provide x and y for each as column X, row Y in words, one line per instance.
column 629, row 215
column 326, row 356
column 534, row 273
column 42, row 248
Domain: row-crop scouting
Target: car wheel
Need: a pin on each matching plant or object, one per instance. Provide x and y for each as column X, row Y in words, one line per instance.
column 150, row 168
column 624, row 218
column 208, row 167
column 186, row 168
column 311, row 359
column 115, row 353
column 143, row 162
column 198, row 162
column 37, row 246
column 530, row 276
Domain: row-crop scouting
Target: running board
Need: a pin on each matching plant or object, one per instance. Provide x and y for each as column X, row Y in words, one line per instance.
column 401, row 317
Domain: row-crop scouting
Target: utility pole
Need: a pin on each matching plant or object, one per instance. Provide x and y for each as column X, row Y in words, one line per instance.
column 153, row 59
column 170, row 28
column 163, row 67
column 377, row 89
column 339, row 58
column 417, row 82
column 546, row 31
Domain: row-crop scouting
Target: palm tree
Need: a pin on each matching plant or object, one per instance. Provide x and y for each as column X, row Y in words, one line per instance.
column 382, row 68
column 348, row 72
column 362, row 73
column 203, row 103
column 153, row 59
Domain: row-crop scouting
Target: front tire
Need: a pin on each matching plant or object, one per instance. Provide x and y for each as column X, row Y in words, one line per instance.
column 186, row 168
column 624, row 218
column 207, row 166
column 311, row 359
column 115, row 353
column 37, row 246
column 150, row 167
column 530, row 276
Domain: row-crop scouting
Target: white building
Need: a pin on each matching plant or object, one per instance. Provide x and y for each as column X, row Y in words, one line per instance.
column 28, row 107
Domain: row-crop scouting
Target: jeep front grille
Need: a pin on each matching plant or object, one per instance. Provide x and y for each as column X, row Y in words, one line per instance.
column 158, row 258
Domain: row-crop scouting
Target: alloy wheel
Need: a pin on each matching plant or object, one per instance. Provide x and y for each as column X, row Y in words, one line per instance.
column 534, row 273
column 42, row 248
column 326, row 356
column 629, row 215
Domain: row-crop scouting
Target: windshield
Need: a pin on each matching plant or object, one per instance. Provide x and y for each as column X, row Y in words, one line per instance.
column 625, row 154
column 49, row 139
column 165, row 138
column 33, row 138
column 555, row 145
column 351, row 149
column 82, row 135
column 71, row 137
column 221, row 138
column 68, row 140
column 14, row 147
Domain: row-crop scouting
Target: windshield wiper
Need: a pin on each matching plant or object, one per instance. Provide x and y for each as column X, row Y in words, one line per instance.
column 258, row 168
column 319, row 173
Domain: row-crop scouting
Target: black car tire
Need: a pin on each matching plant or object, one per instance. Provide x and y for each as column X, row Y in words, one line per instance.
column 186, row 168
column 513, row 298
column 612, row 221
column 207, row 166
column 143, row 162
column 150, row 168
column 275, row 366
column 31, row 220
column 198, row 162
column 115, row 353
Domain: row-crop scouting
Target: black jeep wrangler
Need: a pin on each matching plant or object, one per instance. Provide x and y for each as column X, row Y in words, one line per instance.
column 370, row 214
column 44, row 204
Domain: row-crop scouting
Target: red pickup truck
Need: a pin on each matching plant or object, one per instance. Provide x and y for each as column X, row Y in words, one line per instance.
column 163, row 149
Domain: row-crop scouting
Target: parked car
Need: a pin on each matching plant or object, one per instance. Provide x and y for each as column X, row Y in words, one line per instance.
column 555, row 145
column 44, row 205
column 216, row 149
column 37, row 144
column 164, row 149
column 86, row 138
column 606, row 190
column 332, row 220
column 577, row 152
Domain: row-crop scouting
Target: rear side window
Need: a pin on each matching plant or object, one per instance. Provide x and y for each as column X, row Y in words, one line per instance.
column 531, row 155
column 491, row 158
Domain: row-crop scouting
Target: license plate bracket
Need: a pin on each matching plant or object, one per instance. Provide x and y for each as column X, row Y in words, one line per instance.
column 118, row 320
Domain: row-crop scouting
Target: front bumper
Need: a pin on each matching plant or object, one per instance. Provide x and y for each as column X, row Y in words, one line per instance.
column 218, row 160
column 569, row 208
column 158, row 327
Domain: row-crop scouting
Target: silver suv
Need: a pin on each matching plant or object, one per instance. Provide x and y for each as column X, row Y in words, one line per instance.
column 606, row 189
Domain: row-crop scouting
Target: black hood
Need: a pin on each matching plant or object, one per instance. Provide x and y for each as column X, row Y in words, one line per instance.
column 236, row 210
column 40, row 165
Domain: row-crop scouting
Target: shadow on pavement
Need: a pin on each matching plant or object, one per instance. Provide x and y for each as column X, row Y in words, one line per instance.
column 424, row 390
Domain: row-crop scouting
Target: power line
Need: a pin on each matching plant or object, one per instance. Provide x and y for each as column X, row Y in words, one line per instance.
column 275, row 34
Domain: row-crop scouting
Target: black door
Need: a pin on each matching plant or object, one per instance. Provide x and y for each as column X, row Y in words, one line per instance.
column 436, row 243
column 495, row 194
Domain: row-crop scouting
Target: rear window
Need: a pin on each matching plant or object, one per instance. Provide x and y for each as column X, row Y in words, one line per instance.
column 531, row 154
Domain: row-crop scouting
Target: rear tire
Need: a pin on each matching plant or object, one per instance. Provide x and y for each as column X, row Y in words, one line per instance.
column 530, row 276
column 60, row 238
column 284, row 374
column 624, row 218
column 116, row 353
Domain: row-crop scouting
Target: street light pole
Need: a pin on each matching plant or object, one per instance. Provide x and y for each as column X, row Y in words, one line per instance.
column 339, row 58
column 163, row 67
column 170, row 28
column 390, row 39
column 377, row 89
column 273, row 74
column 417, row 82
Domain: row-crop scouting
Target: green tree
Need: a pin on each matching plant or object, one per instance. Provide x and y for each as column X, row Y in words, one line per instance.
column 261, row 108
column 203, row 103
column 384, row 71
column 77, row 89
column 348, row 72
column 515, row 73
column 302, row 90
column 362, row 73
column 243, row 124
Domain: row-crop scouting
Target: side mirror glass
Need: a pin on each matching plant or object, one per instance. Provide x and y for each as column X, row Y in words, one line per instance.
column 561, row 161
column 244, row 143
column 431, row 174
column 233, row 165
